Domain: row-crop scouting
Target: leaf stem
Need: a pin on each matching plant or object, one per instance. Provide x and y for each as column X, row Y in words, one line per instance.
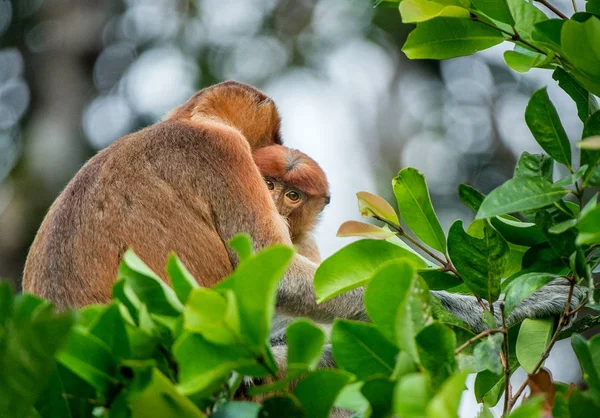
column 561, row 323
column 479, row 336
column 555, row 10
column 507, row 371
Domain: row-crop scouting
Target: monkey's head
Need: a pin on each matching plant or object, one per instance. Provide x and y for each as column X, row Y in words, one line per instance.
column 297, row 185
column 237, row 105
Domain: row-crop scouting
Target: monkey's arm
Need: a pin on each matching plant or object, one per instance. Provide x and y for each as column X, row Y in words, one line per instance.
column 548, row 301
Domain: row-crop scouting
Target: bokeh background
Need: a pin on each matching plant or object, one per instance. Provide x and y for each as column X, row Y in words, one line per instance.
column 77, row 74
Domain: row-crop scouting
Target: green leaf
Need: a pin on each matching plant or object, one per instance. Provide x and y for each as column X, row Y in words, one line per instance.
column 379, row 392
column 89, row 358
column 352, row 398
column 318, row 403
column 436, row 344
column 416, row 209
column 544, row 123
column 583, row 404
column 396, row 301
column 486, row 354
column 561, row 227
column 361, row 229
column 447, row 37
column 517, row 232
column 148, row 287
column 213, row 315
column 520, row 194
column 547, row 33
column 305, row 344
column 591, row 158
column 534, row 165
column 446, row 401
column 370, row 204
column 160, row 398
column 589, row 227
column 524, row 60
column 254, row 283
column 414, row 11
column 588, row 354
column 586, row 103
column 362, row 350
column 580, row 46
column 285, row 405
column 181, row 279
column 488, row 388
column 470, row 197
column 495, row 9
column 217, row 362
column 572, row 178
column 534, row 336
column 353, row 266
column 110, row 328
column 522, row 287
column 593, row 6
column 242, row 244
column 411, row 396
column 530, row 408
column 237, row 410
column 51, row 402
column 480, row 262
column 439, row 280
column 526, row 15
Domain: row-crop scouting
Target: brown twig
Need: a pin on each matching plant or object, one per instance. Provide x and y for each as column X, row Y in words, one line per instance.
column 561, row 323
column 477, row 337
column 507, row 372
column 553, row 9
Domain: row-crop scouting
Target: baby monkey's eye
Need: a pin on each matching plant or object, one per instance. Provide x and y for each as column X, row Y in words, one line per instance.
column 270, row 184
column 293, row 195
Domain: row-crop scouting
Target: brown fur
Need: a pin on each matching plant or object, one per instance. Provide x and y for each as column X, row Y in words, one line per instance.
column 293, row 169
column 187, row 184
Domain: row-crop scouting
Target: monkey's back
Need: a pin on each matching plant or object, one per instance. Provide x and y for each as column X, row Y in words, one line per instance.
column 150, row 191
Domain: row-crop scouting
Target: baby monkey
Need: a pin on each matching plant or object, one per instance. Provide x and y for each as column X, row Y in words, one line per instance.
column 300, row 191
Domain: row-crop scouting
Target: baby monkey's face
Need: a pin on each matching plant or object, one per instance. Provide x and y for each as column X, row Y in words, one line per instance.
column 286, row 197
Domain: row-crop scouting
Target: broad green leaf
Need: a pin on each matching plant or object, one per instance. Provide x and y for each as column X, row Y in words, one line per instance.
column 544, row 123
column 439, row 280
column 30, row 335
column 415, row 208
column 526, row 15
column 414, row 11
column 284, row 405
column 520, row 194
column 590, row 83
column 318, row 403
column 588, row 354
column 586, row 103
column 181, row 279
column 534, row 165
column 109, row 326
column 396, row 301
column 254, row 283
column 524, row 286
column 470, row 197
column 217, row 362
column 572, row 178
column 148, row 287
column 379, row 392
column 362, row 350
column 522, row 61
column 547, row 32
column 580, row 45
column 213, row 315
column 370, row 204
column 361, row 229
column 242, row 244
column 589, row 227
column 51, row 403
column 486, row 355
column 352, row 398
column 583, row 404
column 495, row 9
column 436, row 344
column 488, row 388
column 411, row 395
column 520, row 233
column 590, row 157
column 534, row 336
column 237, row 410
column 480, row 262
column 593, row 6
column 160, row 398
column 530, row 408
column 561, row 227
column 305, row 345
column 89, row 358
column 447, row 37
column 445, row 402
column 353, row 266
